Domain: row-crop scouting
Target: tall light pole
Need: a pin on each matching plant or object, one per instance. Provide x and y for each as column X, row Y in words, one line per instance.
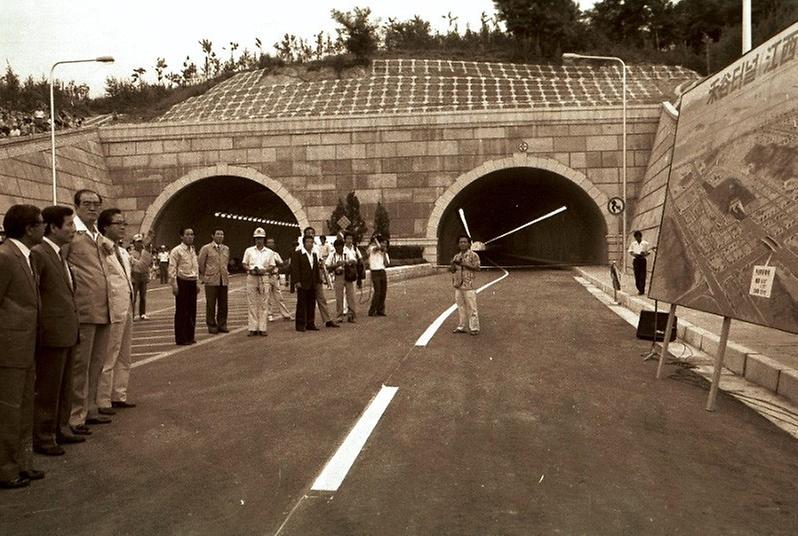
column 572, row 56
column 101, row 59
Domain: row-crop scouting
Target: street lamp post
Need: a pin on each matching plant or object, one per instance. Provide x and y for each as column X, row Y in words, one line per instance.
column 572, row 56
column 101, row 59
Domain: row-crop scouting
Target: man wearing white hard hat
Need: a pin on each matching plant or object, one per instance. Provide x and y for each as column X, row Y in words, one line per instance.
column 140, row 264
column 257, row 261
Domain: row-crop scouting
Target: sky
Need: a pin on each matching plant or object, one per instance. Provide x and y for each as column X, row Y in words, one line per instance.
column 37, row 33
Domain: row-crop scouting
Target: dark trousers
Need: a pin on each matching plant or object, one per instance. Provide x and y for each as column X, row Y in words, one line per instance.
column 216, row 306
column 185, row 310
column 379, row 283
column 163, row 271
column 52, row 395
column 140, row 291
column 639, row 267
column 16, row 420
column 305, row 308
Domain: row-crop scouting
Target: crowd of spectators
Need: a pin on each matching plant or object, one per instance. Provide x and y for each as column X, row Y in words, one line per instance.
column 15, row 123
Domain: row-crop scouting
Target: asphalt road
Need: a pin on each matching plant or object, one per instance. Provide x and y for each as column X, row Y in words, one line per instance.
column 548, row 422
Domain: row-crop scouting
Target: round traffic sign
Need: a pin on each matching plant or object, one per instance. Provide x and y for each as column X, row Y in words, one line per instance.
column 615, row 205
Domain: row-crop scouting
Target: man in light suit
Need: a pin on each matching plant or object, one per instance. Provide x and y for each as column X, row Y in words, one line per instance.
column 115, row 373
column 212, row 264
column 87, row 263
column 19, row 312
column 58, row 334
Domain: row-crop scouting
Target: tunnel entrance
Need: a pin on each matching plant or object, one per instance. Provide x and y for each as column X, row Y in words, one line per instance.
column 505, row 199
column 201, row 204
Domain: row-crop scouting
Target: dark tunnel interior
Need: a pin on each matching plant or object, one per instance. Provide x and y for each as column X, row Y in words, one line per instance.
column 509, row 198
column 195, row 206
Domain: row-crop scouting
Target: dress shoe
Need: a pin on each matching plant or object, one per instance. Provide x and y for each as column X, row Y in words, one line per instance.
column 263, row 334
column 224, row 330
column 381, row 314
column 300, row 329
column 372, row 314
column 106, row 411
column 312, row 328
column 213, row 331
column 49, row 450
column 331, row 324
column 99, row 419
column 122, row 404
column 19, row 482
column 81, row 429
column 252, row 334
column 65, row 439
column 32, row 474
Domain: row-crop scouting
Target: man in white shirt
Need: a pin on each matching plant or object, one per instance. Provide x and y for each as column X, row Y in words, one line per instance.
column 259, row 262
column 163, row 264
column 378, row 261
column 276, row 294
column 639, row 249
column 183, row 276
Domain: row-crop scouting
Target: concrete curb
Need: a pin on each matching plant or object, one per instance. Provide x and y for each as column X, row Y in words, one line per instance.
column 750, row 364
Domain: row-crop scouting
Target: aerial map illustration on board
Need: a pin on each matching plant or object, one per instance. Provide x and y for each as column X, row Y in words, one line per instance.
column 728, row 242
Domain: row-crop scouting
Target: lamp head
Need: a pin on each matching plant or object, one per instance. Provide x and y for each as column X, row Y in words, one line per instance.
column 104, row 59
column 570, row 56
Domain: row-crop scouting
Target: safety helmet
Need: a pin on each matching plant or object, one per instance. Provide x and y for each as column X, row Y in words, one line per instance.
column 259, row 233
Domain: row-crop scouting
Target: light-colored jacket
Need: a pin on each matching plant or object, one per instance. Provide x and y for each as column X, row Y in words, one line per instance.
column 212, row 264
column 119, row 283
column 91, row 285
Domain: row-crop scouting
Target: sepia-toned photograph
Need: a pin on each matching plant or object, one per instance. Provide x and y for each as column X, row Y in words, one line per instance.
column 500, row 267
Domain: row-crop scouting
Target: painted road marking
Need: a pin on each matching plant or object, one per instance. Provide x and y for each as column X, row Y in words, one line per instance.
column 338, row 466
column 435, row 326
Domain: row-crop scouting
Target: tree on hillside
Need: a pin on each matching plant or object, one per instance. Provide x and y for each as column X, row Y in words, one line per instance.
column 358, row 34
column 543, row 28
column 639, row 23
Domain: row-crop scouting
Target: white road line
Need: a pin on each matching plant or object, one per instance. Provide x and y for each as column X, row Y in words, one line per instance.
column 151, row 338
column 161, row 355
column 435, row 326
column 338, row 466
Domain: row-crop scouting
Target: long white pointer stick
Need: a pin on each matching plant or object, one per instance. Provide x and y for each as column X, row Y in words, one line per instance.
column 533, row 222
column 462, row 219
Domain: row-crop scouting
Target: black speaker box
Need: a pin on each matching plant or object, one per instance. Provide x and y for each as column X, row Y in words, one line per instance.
column 645, row 326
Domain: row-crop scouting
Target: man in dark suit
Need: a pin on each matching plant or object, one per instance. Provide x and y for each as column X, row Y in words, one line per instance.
column 305, row 276
column 19, row 312
column 58, row 334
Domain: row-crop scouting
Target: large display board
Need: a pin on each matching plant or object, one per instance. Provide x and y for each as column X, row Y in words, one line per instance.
column 728, row 243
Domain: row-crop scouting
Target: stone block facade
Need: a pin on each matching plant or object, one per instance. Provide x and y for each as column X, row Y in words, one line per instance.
column 26, row 169
column 415, row 164
column 408, row 162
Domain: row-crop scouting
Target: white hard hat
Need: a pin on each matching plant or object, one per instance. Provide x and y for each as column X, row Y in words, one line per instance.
column 137, row 237
column 259, row 233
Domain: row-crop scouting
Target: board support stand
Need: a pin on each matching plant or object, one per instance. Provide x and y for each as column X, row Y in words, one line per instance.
column 666, row 339
column 718, row 366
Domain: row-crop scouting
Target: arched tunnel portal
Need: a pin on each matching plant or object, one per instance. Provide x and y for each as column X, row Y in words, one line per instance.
column 231, row 203
column 508, row 198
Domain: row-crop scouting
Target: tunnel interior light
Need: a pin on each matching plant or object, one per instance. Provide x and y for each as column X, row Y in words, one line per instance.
column 254, row 219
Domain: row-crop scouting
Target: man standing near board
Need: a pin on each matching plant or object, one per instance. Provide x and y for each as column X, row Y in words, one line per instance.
column 639, row 249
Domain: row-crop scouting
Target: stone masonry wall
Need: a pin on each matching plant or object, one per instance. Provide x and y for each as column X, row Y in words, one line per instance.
column 651, row 199
column 26, row 169
column 405, row 161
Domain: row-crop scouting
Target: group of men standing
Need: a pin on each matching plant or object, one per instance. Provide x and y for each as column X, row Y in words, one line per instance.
column 66, row 296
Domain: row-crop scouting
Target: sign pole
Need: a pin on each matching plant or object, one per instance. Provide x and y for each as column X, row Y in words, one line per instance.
column 666, row 339
column 718, row 366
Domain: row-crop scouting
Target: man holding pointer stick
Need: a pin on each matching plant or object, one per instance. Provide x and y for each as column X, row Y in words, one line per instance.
column 464, row 268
